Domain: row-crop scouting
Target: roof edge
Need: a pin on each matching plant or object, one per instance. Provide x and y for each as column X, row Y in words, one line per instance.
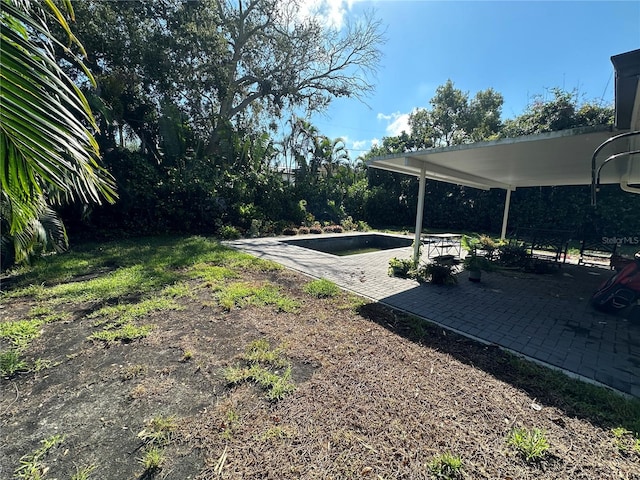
column 502, row 141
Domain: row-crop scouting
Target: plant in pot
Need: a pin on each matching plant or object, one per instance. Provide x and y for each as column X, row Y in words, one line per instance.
column 401, row 267
column 475, row 264
column 438, row 273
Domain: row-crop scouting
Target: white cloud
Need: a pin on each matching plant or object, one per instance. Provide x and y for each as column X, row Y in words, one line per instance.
column 330, row 12
column 359, row 144
column 375, row 142
column 396, row 123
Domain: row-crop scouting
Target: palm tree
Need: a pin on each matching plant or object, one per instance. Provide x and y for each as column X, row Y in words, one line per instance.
column 47, row 151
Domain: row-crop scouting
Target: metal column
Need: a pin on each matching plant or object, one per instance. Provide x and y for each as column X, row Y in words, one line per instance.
column 419, row 214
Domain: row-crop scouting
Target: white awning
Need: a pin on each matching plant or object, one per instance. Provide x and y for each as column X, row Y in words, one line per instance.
column 547, row 159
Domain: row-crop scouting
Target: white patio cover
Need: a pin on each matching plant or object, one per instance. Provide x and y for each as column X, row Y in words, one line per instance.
column 555, row 158
column 547, row 159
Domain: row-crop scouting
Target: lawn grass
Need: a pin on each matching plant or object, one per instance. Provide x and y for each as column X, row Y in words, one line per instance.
column 131, row 284
column 240, row 294
column 264, row 366
column 131, row 266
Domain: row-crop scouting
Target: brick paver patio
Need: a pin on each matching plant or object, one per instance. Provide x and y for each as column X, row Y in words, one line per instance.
column 570, row 336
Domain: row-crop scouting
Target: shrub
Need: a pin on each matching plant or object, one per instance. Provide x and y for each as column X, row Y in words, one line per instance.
column 315, row 229
column 254, row 229
column 363, row 226
column 488, row 245
column 401, row 267
column 303, row 231
column 290, row 231
column 333, row 229
column 228, row 232
column 349, row 224
column 437, row 273
column 513, row 255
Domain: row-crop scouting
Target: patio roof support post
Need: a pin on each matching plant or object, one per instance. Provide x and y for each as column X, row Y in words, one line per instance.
column 419, row 213
column 505, row 215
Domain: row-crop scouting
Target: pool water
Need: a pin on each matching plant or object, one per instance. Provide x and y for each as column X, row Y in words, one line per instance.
column 352, row 244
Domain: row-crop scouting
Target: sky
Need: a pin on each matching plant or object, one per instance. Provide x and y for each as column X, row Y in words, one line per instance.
column 519, row 48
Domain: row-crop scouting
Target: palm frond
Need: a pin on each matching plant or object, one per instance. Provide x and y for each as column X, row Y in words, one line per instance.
column 45, row 139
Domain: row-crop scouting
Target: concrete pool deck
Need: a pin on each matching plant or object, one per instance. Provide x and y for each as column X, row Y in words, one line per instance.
column 563, row 334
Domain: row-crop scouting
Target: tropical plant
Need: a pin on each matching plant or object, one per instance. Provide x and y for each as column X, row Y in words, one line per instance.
column 437, row 273
column 401, row 267
column 475, row 262
column 47, row 152
column 43, row 232
column 513, row 254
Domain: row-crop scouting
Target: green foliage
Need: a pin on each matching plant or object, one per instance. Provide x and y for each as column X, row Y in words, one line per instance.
column 560, row 112
column 625, row 442
column 21, row 332
column 531, row 445
column 46, row 145
column 43, row 232
column 228, row 232
column 454, row 119
column 402, row 267
column 194, row 170
column 513, row 254
column 321, row 288
column 446, row 467
column 125, row 333
column 125, row 312
column 136, row 266
column 241, row 294
column 276, row 385
column 437, row 273
column 475, row 262
column 159, row 431
column 210, row 273
column 260, row 364
column 274, row 433
column 177, row 290
column 11, row 363
column 83, row 473
column 152, row 459
column 32, row 466
column 259, row 351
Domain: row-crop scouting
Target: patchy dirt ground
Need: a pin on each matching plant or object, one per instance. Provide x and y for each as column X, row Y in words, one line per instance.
column 378, row 395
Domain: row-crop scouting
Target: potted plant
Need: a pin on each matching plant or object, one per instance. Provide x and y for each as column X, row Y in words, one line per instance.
column 401, row 267
column 438, row 273
column 475, row 264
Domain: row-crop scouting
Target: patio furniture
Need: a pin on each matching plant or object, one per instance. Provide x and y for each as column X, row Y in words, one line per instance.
column 595, row 251
column 596, row 245
column 441, row 244
column 545, row 244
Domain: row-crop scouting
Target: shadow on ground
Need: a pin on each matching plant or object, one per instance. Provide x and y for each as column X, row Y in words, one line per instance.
column 549, row 387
